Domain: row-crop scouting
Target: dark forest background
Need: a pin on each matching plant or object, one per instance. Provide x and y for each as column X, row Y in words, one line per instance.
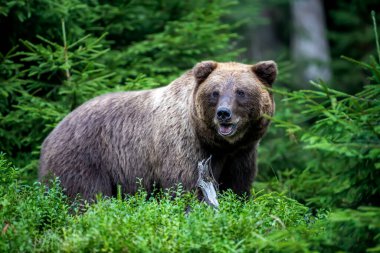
column 322, row 151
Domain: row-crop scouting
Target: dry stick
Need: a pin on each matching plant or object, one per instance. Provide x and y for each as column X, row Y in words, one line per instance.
column 67, row 71
column 207, row 183
column 67, row 66
column 373, row 14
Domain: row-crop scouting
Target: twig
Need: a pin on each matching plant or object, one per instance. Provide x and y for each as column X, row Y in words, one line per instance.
column 67, row 66
column 68, row 75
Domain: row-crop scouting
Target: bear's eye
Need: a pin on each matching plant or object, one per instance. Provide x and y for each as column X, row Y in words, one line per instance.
column 240, row 93
column 215, row 94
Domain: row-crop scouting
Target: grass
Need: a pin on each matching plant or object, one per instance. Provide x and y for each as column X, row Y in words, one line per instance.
column 36, row 219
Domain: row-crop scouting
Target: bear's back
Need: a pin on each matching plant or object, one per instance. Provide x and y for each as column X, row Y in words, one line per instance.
column 99, row 135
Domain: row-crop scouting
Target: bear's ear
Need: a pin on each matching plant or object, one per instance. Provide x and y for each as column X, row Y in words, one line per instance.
column 203, row 69
column 266, row 71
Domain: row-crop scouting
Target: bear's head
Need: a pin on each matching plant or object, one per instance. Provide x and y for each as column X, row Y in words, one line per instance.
column 231, row 99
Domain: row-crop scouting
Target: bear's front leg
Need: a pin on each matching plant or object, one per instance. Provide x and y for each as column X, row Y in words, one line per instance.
column 238, row 173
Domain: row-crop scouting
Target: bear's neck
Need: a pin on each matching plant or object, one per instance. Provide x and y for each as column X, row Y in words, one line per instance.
column 214, row 144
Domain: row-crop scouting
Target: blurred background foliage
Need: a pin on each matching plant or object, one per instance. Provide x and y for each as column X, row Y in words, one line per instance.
column 322, row 149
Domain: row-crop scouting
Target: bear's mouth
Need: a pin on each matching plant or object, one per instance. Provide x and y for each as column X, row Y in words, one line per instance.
column 227, row 129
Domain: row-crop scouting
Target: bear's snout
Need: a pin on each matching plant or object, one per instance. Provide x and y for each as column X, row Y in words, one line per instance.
column 224, row 123
column 223, row 114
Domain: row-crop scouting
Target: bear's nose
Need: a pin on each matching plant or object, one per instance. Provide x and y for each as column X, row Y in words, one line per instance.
column 223, row 113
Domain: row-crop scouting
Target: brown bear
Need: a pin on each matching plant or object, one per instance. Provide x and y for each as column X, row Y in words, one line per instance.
column 160, row 135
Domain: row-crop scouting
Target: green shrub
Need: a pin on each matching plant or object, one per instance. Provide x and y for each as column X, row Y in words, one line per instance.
column 331, row 158
column 344, row 139
column 28, row 213
column 34, row 218
column 37, row 219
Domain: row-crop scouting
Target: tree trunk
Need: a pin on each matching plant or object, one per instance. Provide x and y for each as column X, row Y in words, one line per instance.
column 310, row 49
column 265, row 44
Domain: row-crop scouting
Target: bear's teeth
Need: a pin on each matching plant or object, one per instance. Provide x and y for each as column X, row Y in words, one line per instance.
column 225, row 129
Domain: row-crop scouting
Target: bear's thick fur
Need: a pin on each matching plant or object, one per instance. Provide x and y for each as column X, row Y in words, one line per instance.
column 160, row 135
